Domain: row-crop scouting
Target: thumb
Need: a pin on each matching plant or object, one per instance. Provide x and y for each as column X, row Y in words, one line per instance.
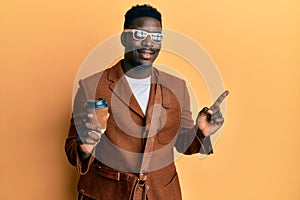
column 205, row 113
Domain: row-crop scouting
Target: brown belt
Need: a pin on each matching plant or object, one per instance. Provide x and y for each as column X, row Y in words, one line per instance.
column 118, row 175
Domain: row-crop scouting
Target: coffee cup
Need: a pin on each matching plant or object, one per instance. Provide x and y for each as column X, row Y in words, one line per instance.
column 99, row 108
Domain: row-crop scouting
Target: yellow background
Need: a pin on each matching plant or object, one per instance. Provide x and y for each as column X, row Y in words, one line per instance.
column 255, row 45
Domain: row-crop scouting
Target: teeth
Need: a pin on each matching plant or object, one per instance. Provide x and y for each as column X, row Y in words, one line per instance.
column 146, row 54
column 146, row 51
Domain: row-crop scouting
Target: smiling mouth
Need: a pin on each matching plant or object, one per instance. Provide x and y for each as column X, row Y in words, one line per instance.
column 146, row 53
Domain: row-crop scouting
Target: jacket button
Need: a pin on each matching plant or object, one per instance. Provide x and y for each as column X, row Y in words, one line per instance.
column 82, row 190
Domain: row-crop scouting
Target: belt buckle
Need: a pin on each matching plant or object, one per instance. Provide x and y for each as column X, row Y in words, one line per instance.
column 141, row 182
column 142, row 179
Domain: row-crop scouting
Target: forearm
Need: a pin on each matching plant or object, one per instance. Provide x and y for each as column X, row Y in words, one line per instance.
column 70, row 150
column 191, row 141
column 75, row 156
column 205, row 141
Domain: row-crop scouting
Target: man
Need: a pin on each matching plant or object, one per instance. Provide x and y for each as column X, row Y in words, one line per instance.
column 132, row 156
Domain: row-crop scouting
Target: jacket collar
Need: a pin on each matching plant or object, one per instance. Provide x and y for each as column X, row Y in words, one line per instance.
column 120, row 87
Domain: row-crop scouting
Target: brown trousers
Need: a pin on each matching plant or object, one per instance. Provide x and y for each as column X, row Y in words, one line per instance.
column 139, row 194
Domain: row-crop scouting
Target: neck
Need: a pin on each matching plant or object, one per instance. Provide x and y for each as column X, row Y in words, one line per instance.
column 140, row 71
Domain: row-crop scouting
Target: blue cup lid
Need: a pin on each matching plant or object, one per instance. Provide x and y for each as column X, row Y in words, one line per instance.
column 97, row 103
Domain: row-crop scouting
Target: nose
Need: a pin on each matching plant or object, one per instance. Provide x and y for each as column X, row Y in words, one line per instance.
column 147, row 42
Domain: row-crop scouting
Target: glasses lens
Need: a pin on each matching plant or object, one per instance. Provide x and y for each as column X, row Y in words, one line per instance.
column 156, row 37
column 139, row 34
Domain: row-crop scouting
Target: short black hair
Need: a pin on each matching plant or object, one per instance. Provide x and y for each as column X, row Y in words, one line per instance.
column 141, row 11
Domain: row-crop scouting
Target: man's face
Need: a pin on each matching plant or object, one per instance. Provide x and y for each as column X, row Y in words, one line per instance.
column 142, row 52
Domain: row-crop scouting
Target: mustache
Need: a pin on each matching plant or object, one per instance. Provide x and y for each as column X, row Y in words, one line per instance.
column 146, row 49
column 150, row 50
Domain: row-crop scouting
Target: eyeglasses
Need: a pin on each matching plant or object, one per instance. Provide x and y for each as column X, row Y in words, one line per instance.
column 141, row 35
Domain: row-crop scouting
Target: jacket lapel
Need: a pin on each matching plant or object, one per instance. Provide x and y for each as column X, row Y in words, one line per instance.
column 159, row 78
column 119, row 86
column 163, row 98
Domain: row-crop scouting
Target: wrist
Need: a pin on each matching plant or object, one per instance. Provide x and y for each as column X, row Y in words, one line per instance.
column 200, row 134
column 82, row 155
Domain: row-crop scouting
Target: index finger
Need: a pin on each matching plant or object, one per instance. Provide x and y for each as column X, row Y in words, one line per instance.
column 80, row 115
column 220, row 98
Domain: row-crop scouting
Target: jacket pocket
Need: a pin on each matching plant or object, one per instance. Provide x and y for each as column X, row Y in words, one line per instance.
column 165, row 137
column 168, row 123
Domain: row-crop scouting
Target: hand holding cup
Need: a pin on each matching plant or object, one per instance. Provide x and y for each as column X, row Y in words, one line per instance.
column 95, row 125
column 99, row 110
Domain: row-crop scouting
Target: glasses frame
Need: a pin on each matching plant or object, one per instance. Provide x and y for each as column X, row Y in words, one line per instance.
column 150, row 34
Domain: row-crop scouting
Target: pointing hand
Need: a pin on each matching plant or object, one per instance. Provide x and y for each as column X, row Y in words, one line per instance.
column 210, row 120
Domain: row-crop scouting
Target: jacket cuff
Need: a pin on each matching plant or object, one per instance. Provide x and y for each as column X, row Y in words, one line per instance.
column 83, row 162
column 206, row 145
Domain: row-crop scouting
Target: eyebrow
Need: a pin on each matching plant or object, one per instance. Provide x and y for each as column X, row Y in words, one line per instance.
column 156, row 31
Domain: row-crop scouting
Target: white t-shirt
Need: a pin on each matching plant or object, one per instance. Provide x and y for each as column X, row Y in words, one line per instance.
column 141, row 90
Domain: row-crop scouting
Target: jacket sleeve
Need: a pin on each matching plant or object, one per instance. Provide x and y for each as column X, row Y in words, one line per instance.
column 190, row 139
column 71, row 144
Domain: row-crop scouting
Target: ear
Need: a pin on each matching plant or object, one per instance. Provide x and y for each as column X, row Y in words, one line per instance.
column 123, row 39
